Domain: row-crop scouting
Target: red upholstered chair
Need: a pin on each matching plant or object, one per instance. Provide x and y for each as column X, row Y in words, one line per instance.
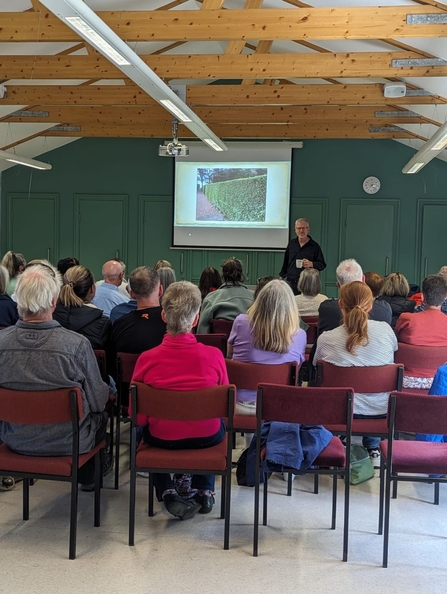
column 194, row 405
column 102, row 363
column 248, row 376
column 366, row 380
column 413, row 413
column 46, row 407
column 424, row 358
column 221, row 327
column 216, row 340
column 125, row 363
column 312, row 331
column 309, row 406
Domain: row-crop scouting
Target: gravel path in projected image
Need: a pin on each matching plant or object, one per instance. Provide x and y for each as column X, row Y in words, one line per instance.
column 205, row 211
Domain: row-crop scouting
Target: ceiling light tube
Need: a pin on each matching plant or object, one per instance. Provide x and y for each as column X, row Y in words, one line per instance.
column 212, row 144
column 18, row 160
column 128, row 62
column 175, row 110
column 428, row 151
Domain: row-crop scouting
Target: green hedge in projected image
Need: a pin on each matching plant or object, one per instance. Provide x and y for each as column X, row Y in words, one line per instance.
column 239, row 199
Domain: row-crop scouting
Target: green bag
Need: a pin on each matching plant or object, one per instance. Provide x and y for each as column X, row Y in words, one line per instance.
column 362, row 468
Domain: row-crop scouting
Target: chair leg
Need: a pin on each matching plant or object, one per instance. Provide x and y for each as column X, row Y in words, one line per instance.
column 386, row 529
column 289, row 484
column 223, row 492
column 26, row 499
column 346, row 519
column 334, row 501
column 316, row 477
column 436, row 498
column 256, row 513
column 117, row 447
column 98, row 473
column 227, row 481
column 73, row 518
column 150, row 506
column 264, row 507
column 381, row 494
column 133, row 486
column 394, row 489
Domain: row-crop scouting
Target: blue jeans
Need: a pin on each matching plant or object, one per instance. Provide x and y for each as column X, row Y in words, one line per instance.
column 203, row 482
column 370, row 443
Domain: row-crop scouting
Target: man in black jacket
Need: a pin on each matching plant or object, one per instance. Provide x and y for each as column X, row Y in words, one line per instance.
column 302, row 252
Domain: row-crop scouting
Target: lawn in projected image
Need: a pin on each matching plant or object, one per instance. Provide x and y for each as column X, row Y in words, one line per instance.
column 231, row 194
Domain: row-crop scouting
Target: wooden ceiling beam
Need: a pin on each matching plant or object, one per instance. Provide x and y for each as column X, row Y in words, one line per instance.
column 217, row 95
column 366, row 22
column 210, row 66
column 295, row 132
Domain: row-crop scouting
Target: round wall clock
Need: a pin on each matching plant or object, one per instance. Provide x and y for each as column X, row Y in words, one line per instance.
column 371, row 185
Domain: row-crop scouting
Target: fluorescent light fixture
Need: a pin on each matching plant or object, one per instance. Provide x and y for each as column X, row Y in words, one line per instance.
column 416, row 168
column 86, row 31
column 129, row 62
column 13, row 158
column 176, row 111
column 212, row 144
column 429, row 151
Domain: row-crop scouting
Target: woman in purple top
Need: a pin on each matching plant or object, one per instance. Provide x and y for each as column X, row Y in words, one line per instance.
column 268, row 333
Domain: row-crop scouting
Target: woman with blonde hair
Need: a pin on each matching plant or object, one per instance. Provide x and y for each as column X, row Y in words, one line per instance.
column 14, row 264
column 268, row 333
column 74, row 310
column 360, row 342
column 395, row 291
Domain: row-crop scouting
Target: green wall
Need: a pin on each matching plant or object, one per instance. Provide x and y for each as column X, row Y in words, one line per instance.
column 130, row 189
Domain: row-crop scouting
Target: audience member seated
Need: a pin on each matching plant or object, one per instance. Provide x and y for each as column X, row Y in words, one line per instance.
column 427, row 328
column 143, row 328
column 442, row 272
column 107, row 294
column 375, row 283
column 360, row 342
column 167, row 276
column 181, row 363
column 75, row 311
column 268, row 333
column 8, row 308
column 162, row 264
column 231, row 298
column 65, row 263
column 38, row 354
column 329, row 313
column 123, row 308
column 14, row 264
column 210, row 281
column 395, row 291
column 123, row 286
column 310, row 298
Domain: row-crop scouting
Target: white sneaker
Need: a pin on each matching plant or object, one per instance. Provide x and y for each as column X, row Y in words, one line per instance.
column 285, row 476
column 375, row 457
column 143, row 474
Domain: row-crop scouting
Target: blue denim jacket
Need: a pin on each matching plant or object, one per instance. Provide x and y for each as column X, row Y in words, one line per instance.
column 438, row 388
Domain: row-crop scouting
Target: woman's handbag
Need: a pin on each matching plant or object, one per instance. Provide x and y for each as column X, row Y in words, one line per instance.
column 361, row 466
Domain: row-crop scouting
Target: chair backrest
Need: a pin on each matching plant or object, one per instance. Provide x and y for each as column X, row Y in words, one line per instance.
column 420, row 357
column 247, row 376
column 125, row 363
column 312, row 330
column 309, row 406
column 367, row 380
column 417, row 413
column 39, row 407
column 190, row 405
column 221, row 327
column 102, row 363
column 216, row 340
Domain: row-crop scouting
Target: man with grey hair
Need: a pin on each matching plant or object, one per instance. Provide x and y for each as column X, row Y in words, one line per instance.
column 143, row 328
column 39, row 354
column 302, row 252
column 329, row 314
column 108, row 294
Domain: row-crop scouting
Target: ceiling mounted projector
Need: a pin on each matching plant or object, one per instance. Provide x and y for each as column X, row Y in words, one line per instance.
column 394, row 89
column 173, row 148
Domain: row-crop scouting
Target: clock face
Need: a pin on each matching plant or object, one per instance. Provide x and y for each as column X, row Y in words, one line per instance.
column 371, row 185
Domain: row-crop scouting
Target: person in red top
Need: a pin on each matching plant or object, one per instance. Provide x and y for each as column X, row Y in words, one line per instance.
column 425, row 328
column 181, row 363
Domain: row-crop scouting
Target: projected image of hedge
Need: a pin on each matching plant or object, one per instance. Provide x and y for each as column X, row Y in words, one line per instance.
column 231, row 194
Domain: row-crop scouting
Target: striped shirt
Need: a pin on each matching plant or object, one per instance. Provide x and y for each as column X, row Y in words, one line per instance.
column 382, row 343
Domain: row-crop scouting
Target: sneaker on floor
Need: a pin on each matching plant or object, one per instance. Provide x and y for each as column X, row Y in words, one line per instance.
column 143, row 474
column 285, row 476
column 375, row 457
column 179, row 507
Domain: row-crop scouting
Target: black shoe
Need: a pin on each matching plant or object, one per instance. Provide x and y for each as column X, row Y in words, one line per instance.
column 106, row 463
column 206, row 502
column 88, row 488
column 179, row 507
